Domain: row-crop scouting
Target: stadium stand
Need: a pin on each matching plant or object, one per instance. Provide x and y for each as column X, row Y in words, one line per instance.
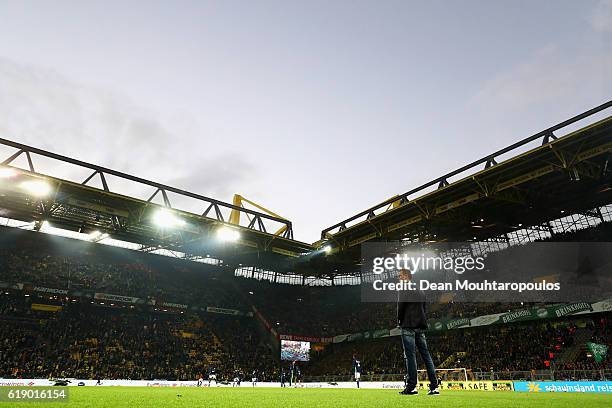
column 63, row 263
column 75, row 335
column 93, row 341
column 482, row 349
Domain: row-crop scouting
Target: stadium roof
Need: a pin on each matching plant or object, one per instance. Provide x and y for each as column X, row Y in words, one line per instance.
column 561, row 175
column 36, row 198
column 518, row 186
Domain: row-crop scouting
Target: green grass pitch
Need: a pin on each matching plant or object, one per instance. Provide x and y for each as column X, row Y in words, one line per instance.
column 135, row 397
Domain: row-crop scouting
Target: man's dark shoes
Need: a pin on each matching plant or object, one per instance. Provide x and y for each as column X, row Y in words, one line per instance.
column 434, row 391
column 409, row 391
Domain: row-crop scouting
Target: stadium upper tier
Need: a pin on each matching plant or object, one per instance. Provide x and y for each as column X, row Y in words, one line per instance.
column 519, row 187
column 504, row 191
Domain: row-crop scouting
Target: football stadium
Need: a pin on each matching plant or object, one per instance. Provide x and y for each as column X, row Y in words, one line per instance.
column 486, row 285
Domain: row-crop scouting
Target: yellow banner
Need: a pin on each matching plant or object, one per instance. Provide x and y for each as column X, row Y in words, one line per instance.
column 472, row 385
column 46, row 308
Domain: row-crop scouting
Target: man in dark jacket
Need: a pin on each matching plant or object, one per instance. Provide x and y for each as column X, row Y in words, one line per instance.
column 413, row 322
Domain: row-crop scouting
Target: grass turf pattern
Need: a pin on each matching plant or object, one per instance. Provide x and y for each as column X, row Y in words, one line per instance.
column 136, row 397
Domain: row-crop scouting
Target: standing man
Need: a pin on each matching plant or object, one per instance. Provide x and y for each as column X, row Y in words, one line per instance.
column 357, row 369
column 236, row 382
column 297, row 376
column 413, row 322
column 212, row 376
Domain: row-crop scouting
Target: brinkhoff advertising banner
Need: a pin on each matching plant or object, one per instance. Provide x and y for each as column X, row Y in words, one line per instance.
column 541, row 313
column 550, row 312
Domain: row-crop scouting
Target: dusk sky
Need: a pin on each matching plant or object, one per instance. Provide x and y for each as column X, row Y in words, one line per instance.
column 314, row 109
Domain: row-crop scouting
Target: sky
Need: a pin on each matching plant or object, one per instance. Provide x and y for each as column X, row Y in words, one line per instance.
column 314, row 109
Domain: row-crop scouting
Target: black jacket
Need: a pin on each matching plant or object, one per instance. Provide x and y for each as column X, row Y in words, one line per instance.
column 411, row 315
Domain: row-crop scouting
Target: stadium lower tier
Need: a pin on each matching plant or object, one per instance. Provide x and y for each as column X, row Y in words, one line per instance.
column 557, row 345
column 93, row 341
column 47, row 337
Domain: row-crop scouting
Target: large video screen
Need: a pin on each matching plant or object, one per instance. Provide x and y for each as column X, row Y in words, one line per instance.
column 295, row 350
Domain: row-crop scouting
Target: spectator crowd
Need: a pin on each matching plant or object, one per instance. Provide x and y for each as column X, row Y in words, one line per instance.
column 87, row 339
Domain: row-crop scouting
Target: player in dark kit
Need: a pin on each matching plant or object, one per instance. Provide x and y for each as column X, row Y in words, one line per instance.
column 296, row 374
column 212, row 376
column 357, row 370
column 237, row 376
column 413, row 323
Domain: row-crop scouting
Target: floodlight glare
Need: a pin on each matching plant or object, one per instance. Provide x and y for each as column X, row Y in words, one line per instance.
column 226, row 234
column 7, row 172
column 97, row 236
column 36, row 188
column 166, row 219
column 327, row 249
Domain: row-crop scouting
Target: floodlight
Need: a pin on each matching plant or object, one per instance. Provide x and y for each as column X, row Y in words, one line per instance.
column 37, row 188
column 327, row 249
column 226, row 234
column 166, row 219
column 7, row 172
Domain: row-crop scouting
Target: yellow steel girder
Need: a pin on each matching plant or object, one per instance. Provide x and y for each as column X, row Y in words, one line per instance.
column 239, row 201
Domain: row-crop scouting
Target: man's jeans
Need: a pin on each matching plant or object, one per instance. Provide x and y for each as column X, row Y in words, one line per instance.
column 413, row 339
